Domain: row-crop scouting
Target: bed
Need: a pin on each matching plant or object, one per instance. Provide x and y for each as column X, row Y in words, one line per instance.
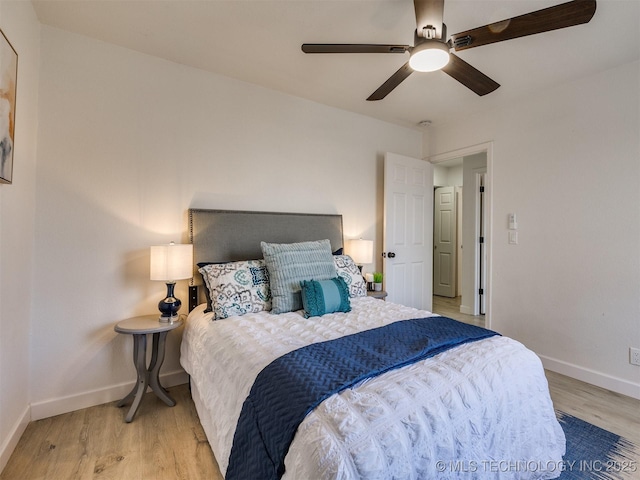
column 478, row 410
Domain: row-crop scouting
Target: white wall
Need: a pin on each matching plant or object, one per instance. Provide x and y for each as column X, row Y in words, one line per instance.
column 566, row 160
column 440, row 176
column 444, row 176
column 127, row 144
column 17, row 214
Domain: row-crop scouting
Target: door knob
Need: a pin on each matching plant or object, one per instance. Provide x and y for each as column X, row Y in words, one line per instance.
column 391, row 255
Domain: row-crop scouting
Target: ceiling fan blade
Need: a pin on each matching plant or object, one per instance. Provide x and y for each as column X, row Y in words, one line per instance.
column 469, row 76
column 429, row 12
column 393, row 81
column 565, row 15
column 353, row 48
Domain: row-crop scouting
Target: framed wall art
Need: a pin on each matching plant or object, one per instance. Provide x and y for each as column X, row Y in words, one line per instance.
column 8, row 81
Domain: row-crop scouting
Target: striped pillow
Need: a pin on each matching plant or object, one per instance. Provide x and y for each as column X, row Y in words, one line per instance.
column 289, row 264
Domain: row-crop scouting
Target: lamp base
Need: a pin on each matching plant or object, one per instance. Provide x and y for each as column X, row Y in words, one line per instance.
column 171, row 319
column 169, row 306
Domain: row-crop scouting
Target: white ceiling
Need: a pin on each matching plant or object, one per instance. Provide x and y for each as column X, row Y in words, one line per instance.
column 258, row 41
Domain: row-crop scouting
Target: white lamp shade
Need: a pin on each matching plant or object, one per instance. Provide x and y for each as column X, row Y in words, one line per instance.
column 361, row 251
column 171, row 262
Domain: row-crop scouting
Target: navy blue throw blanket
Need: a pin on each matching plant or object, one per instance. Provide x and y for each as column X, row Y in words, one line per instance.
column 291, row 386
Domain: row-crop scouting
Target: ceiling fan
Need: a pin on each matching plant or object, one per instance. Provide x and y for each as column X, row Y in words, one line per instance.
column 431, row 52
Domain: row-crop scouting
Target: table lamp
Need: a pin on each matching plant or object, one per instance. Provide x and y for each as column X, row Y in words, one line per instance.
column 361, row 251
column 170, row 263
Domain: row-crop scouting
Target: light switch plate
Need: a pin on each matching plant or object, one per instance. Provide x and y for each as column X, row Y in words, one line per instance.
column 634, row 356
column 513, row 238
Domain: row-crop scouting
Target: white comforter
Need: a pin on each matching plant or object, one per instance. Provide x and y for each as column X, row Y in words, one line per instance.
column 481, row 410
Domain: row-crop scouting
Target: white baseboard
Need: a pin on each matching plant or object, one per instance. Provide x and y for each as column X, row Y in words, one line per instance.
column 466, row 310
column 593, row 377
column 57, row 406
column 10, row 443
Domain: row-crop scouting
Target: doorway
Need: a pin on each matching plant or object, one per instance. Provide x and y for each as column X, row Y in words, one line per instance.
column 468, row 172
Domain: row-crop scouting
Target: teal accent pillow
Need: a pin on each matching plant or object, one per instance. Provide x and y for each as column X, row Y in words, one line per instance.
column 290, row 263
column 325, row 296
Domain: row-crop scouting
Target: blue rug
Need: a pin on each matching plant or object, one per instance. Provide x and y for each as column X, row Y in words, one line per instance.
column 594, row 453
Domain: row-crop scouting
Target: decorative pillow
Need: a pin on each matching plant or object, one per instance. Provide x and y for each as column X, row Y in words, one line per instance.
column 289, row 264
column 236, row 288
column 350, row 273
column 324, row 296
column 205, row 280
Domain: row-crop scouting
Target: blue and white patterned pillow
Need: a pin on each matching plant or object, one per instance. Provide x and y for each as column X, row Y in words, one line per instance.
column 237, row 288
column 350, row 273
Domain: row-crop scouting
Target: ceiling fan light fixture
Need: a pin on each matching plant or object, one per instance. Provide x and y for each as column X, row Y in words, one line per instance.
column 429, row 56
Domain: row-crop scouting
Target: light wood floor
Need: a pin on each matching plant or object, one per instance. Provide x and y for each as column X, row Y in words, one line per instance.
column 164, row 443
column 450, row 307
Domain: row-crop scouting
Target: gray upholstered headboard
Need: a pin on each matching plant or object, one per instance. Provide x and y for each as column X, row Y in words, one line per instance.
column 229, row 235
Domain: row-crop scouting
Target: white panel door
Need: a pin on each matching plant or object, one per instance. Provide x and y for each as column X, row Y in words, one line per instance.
column 444, row 242
column 408, row 230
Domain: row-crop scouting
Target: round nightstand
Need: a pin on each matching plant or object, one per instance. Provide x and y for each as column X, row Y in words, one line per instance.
column 139, row 327
column 380, row 294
